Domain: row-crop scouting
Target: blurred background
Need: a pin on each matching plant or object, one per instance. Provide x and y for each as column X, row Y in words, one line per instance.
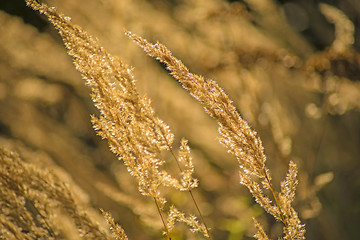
column 292, row 69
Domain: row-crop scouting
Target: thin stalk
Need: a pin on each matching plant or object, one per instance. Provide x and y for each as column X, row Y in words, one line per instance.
column 162, row 219
column 275, row 198
column 189, row 190
column 201, row 217
column 192, row 197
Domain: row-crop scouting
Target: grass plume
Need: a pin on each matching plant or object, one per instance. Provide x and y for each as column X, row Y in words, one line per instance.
column 126, row 119
column 302, row 96
column 140, row 139
column 238, row 138
column 34, row 200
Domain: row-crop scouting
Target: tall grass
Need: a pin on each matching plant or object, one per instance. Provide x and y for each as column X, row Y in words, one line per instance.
column 164, row 168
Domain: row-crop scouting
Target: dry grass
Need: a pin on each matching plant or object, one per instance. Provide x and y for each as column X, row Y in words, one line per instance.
column 297, row 99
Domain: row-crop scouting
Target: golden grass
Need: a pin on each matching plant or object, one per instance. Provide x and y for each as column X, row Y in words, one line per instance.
column 198, row 188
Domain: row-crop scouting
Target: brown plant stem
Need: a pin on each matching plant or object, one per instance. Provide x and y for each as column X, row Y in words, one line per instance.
column 189, row 190
column 162, row 219
column 275, row 198
column 192, row 196
column 201, row 216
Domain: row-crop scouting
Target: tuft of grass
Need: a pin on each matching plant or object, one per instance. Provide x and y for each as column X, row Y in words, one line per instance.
column 284, row 89
column 139, row 138
column 37, row 204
